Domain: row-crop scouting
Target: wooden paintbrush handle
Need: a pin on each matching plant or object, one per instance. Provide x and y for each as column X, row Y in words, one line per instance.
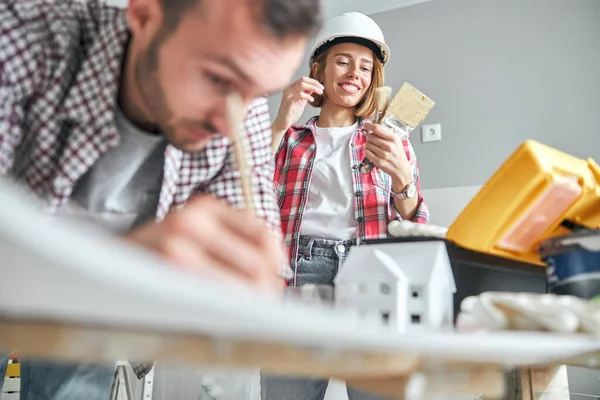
column 235, row 111
column 245, row 175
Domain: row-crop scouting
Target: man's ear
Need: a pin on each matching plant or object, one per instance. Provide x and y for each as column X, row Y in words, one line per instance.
column 144, row 16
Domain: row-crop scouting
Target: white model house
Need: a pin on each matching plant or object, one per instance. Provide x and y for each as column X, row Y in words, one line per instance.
column 406, row 286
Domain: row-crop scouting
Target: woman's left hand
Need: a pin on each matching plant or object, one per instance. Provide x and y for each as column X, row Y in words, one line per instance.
column 385, row 149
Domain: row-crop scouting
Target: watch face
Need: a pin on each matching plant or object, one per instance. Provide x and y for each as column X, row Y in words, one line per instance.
column 411, row 190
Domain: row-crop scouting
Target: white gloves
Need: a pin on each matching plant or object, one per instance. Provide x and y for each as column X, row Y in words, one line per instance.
column 528, row 311
column 409, row 228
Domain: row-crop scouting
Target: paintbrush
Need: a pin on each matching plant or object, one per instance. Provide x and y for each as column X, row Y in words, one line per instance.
column 382, row 98
column 241, row 144
column 407, row 110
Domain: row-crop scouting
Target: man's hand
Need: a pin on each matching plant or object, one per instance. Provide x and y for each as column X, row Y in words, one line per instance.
column 212, row 238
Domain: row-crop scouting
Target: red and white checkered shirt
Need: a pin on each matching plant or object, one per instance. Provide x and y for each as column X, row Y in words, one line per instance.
column 60, row 68
column 373, row 205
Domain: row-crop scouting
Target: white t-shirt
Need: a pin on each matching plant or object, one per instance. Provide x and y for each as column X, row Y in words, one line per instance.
column 121, row 189
column 329, row 212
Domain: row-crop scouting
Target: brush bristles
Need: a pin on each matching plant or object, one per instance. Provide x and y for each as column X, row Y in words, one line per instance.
column 409, row 106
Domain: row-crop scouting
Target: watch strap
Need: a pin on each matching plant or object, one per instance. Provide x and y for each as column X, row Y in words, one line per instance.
column 403, row 195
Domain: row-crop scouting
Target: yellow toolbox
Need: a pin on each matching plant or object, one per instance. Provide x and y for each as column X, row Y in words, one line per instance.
column 539, row 192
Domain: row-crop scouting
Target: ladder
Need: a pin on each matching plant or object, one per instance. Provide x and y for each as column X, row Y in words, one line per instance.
column 122, row 388
column 11, row 389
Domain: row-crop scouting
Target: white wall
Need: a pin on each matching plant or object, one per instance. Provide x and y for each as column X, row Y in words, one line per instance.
column 500, row 72
column 332, row 8
column 445, row 204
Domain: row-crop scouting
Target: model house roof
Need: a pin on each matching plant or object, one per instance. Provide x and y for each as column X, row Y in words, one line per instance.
column 415, row 260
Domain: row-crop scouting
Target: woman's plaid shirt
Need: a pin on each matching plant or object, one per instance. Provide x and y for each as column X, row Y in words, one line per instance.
column 373, row 204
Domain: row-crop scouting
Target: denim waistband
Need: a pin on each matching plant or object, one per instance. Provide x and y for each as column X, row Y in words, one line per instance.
column 324, row 247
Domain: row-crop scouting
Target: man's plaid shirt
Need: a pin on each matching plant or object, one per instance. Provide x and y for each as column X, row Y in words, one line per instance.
column 373, row 205
column 60, row 68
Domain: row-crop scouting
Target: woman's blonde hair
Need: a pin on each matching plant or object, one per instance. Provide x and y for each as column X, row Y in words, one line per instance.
column 367, row 105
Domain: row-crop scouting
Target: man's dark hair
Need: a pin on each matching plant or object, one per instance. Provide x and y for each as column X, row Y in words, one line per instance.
column 285, row 17
column 282, row 17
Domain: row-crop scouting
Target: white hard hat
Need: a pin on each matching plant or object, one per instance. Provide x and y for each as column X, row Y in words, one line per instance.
column 351, row 27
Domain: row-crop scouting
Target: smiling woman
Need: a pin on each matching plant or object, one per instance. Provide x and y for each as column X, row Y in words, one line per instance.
column 327, row 205
column 346, row 91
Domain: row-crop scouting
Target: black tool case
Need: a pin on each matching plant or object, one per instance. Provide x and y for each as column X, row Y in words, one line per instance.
column 475, row 272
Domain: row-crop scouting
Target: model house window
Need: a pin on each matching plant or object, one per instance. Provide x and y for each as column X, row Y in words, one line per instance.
column 416, row 292
column 385, row 317
column 446, row 321
column 415, row 319
column 384, row 288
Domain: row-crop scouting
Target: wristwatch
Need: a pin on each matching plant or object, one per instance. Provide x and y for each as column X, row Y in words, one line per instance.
column 409, row 191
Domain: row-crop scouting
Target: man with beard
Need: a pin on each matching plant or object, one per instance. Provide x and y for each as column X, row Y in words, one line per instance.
column 112, row 115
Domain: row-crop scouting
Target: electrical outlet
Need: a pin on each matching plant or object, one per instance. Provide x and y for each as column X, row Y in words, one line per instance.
column 431, row 133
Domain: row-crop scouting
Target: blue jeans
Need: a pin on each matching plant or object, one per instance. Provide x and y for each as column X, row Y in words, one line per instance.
column 47, row 380
column 3, row 361
column 318, row 263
